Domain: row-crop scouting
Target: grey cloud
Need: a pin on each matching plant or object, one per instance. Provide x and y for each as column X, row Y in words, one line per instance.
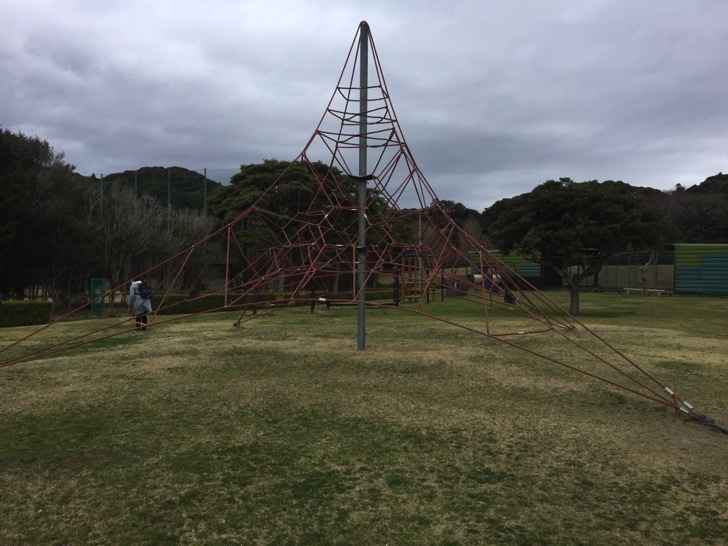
column 494, row 98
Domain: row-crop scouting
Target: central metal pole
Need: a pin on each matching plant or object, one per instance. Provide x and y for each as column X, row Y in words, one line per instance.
column 362, row 242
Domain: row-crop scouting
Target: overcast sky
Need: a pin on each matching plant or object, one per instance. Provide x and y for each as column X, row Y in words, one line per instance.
column 494, row 97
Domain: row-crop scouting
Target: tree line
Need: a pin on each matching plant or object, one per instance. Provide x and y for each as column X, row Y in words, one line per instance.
column 59, row 228
column 574, row 228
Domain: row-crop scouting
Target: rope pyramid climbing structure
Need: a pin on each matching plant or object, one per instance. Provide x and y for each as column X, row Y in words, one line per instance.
column 369, row 232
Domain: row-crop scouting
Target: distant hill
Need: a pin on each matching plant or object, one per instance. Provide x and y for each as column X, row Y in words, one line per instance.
column 713, row 184
column 186, row 188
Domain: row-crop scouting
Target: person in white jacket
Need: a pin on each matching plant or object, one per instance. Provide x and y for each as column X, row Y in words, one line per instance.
column 139, row 305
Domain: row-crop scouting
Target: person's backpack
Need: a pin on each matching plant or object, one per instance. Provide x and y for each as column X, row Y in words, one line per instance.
column 145, row 291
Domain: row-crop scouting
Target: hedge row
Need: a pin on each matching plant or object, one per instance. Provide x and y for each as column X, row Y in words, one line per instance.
column 24, row 313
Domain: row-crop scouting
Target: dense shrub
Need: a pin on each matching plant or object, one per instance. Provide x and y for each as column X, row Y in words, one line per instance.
column 23, row 313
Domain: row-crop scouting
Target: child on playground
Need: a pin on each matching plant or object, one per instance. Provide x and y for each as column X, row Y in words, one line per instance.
column 140, row 305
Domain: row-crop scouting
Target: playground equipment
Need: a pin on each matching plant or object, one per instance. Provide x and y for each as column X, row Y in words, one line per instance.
column 371, row 223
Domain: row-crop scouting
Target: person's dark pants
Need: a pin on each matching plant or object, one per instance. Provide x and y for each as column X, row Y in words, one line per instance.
column 141, row 321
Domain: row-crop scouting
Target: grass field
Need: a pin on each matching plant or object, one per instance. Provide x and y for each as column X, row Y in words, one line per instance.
column 281, row 432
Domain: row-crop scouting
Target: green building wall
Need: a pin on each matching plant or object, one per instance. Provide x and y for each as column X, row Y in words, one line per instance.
column 701, row 269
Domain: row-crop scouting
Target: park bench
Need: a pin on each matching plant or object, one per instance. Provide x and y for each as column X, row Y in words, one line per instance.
column 649, row 291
